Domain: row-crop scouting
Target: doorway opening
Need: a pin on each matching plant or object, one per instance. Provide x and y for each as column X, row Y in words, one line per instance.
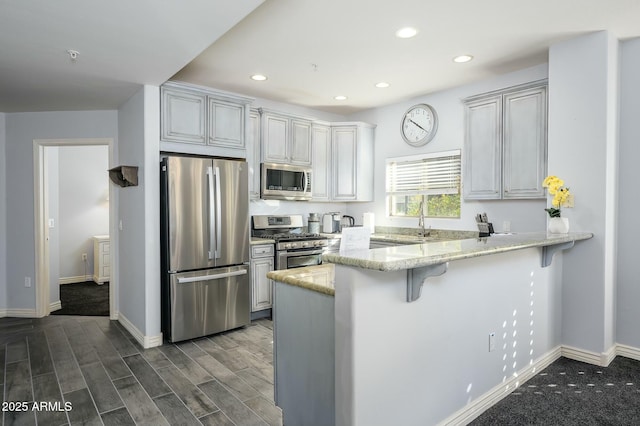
column 78, row 248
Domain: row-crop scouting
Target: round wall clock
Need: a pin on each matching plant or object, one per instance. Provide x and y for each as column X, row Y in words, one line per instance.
column 419, row 124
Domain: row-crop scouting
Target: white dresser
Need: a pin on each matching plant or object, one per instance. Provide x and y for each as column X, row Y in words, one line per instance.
column 101, row 259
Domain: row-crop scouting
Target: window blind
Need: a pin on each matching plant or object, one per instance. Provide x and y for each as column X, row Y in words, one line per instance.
column 427, row 174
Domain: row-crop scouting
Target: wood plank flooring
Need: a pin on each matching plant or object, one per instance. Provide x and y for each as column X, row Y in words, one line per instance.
column 94, row 366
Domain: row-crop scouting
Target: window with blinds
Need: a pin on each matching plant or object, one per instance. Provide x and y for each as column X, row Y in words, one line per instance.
column 431, row 179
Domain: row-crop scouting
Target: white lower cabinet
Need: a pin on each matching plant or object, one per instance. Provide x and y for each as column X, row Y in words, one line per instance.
column 262, row 261
column 101, row 259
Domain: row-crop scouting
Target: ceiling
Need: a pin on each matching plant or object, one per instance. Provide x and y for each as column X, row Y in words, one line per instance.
column 310, row 50
column 121, row 43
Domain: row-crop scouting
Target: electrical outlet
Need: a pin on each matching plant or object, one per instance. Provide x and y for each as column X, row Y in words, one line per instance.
column 27, row 281
column 84, row 257
column 492, row 342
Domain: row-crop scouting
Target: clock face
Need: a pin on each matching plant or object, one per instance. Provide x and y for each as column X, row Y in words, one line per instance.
column 419, row 125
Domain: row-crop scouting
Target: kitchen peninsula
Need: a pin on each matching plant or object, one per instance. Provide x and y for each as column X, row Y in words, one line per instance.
column 420, row 334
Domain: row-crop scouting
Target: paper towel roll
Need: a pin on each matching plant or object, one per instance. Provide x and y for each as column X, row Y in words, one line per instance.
column 369, row 221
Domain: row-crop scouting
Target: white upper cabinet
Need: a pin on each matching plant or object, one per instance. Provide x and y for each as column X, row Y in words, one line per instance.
column 183, row 116
column 199, row 120
column 506, row 143
column 322, row 164
column 525, row 143
column 285, row 139
column 253, row 153
column 352, row 153
column 226, row 124
column 301, row 142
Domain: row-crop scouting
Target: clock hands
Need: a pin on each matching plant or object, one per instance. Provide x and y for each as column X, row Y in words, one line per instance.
column 418, row 125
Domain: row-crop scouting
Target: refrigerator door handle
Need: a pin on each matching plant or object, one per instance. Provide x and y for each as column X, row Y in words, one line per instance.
column 218, row 215
column 210, row 179
column 185, row 280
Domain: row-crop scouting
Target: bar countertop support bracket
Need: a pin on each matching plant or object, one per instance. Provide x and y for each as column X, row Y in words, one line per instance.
column 549, row 251
column 417, row 276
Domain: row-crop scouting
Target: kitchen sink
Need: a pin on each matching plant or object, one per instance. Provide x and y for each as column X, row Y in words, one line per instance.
column 402, row 239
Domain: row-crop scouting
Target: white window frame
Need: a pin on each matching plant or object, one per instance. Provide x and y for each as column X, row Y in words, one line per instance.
column 420, row 177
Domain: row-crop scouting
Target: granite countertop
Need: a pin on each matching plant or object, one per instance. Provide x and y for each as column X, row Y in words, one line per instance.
column 434, row 252
column 410, row 235
column 318, row 278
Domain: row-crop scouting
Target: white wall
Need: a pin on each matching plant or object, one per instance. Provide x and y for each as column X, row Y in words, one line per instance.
column 138, row 241
column 628, row 309
column 583, row 75
column 3, row 215
column 524, row 215
column 83, row 205
column 21, row 130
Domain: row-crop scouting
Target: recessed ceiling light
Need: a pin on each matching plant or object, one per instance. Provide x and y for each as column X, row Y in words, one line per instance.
column 406, row 32
column 382, row 84
column 258, row 77
column 340, row 98
column 462, row 59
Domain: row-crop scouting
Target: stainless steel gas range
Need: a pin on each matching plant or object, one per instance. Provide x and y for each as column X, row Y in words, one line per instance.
column 295, row 247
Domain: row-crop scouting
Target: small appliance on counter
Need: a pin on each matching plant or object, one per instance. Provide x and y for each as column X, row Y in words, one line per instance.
column 331, row 222
column 369, row 221
column 313, row 223
column 347, row 222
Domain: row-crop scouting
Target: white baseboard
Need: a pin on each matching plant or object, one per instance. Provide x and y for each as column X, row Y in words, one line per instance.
column 78, row 279
column 483, row 403
column 55, row 306
column 602, row 359
column 22, row 313
column 628, row 351
column 489, row 399
column 145, row 341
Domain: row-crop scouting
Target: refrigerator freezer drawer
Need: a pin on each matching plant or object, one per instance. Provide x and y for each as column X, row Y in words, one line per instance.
column 209, row 301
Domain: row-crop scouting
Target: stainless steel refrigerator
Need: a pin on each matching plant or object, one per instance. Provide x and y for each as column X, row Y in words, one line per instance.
column 205, row 246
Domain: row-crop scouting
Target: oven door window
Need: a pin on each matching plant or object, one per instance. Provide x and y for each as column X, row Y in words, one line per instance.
column 303, row 260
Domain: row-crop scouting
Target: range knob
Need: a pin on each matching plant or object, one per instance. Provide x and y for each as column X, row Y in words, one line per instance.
column 287, row 245
column 305, row 244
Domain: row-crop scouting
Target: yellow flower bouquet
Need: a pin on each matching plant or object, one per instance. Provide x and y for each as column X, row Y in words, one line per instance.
column 560, row 193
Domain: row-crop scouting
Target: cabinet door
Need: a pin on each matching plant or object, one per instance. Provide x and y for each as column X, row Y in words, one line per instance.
column 344, row 147
column 261, row 286
column 275, row 134
column 300, row 142
column 183, row 116
column 320, row 175
column 226, row 124
column 483, row 135
column 253, row 154
column 525, row 143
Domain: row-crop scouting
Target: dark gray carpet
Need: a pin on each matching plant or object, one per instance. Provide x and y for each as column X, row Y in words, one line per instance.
column 88, row 298
column 573, row 393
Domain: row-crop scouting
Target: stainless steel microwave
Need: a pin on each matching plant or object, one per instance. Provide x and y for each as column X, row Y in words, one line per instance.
column 285, row 182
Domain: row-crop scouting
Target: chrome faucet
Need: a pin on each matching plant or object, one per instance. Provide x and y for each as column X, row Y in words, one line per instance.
column 422, row 231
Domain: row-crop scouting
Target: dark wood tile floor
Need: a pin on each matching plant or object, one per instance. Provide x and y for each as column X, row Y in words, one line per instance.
column 94, row 366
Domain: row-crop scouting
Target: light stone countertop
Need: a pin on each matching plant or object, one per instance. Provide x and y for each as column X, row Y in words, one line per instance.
column 318, row 278
column 435, row 252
